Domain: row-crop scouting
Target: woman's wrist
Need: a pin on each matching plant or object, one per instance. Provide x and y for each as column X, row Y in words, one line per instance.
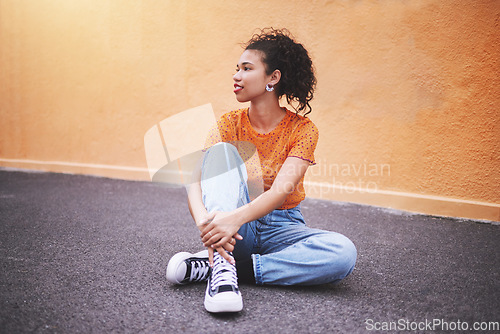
column 241, row 215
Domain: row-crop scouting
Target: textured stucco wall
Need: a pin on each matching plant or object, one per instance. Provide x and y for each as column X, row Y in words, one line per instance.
column 408, row 100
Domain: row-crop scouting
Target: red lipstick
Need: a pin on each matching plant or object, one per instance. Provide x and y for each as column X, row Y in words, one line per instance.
column 237, row 88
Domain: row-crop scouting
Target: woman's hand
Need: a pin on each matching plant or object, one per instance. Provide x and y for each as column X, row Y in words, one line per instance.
column 222, row 251
column 219, row 230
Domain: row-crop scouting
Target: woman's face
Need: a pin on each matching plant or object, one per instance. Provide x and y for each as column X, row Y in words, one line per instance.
column 250, row 79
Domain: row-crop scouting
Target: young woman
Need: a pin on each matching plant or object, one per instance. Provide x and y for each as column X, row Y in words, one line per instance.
column 263, row 238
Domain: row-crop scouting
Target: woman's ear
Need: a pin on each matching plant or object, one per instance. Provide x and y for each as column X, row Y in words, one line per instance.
column 275, row 77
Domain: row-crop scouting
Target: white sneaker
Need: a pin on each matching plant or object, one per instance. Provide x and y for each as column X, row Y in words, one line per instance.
column 222, row 294
column 186, row 268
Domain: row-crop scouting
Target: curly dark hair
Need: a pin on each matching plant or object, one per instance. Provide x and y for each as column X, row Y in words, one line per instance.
column 281, row 52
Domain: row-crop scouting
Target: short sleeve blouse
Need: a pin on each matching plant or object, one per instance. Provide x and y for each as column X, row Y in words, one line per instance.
column 295, row 136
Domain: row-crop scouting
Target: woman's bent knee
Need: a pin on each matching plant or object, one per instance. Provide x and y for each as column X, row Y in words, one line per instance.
column 350, row 254
column 343, row 258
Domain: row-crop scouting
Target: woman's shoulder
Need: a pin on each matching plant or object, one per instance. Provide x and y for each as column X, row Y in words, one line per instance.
column 231, row 121
column 234, row 114
column 298, row 121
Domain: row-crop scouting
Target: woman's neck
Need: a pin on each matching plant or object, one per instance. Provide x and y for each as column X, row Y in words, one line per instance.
column 265, row 116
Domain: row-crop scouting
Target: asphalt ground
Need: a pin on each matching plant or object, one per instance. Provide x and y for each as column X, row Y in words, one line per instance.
column 83, row 254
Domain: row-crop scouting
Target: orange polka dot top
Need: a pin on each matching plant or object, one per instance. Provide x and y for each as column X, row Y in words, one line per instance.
column 295, row 136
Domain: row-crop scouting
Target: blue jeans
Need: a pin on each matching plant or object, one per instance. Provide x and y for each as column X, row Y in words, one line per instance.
column 283, row 250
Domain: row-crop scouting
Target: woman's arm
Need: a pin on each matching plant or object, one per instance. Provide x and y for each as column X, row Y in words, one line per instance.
column 196, row 207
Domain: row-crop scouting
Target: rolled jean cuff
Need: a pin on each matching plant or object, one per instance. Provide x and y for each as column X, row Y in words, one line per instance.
column 257, row 269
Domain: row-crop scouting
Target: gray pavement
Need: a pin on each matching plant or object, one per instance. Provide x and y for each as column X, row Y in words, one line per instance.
column 82, row 254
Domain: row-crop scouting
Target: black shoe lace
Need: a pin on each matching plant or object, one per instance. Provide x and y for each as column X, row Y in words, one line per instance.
column 200, row 270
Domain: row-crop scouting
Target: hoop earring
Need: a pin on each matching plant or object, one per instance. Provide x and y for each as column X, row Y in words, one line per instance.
column 269, row 87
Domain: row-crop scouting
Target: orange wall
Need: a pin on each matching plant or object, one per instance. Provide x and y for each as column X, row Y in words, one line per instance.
column 407, row 103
